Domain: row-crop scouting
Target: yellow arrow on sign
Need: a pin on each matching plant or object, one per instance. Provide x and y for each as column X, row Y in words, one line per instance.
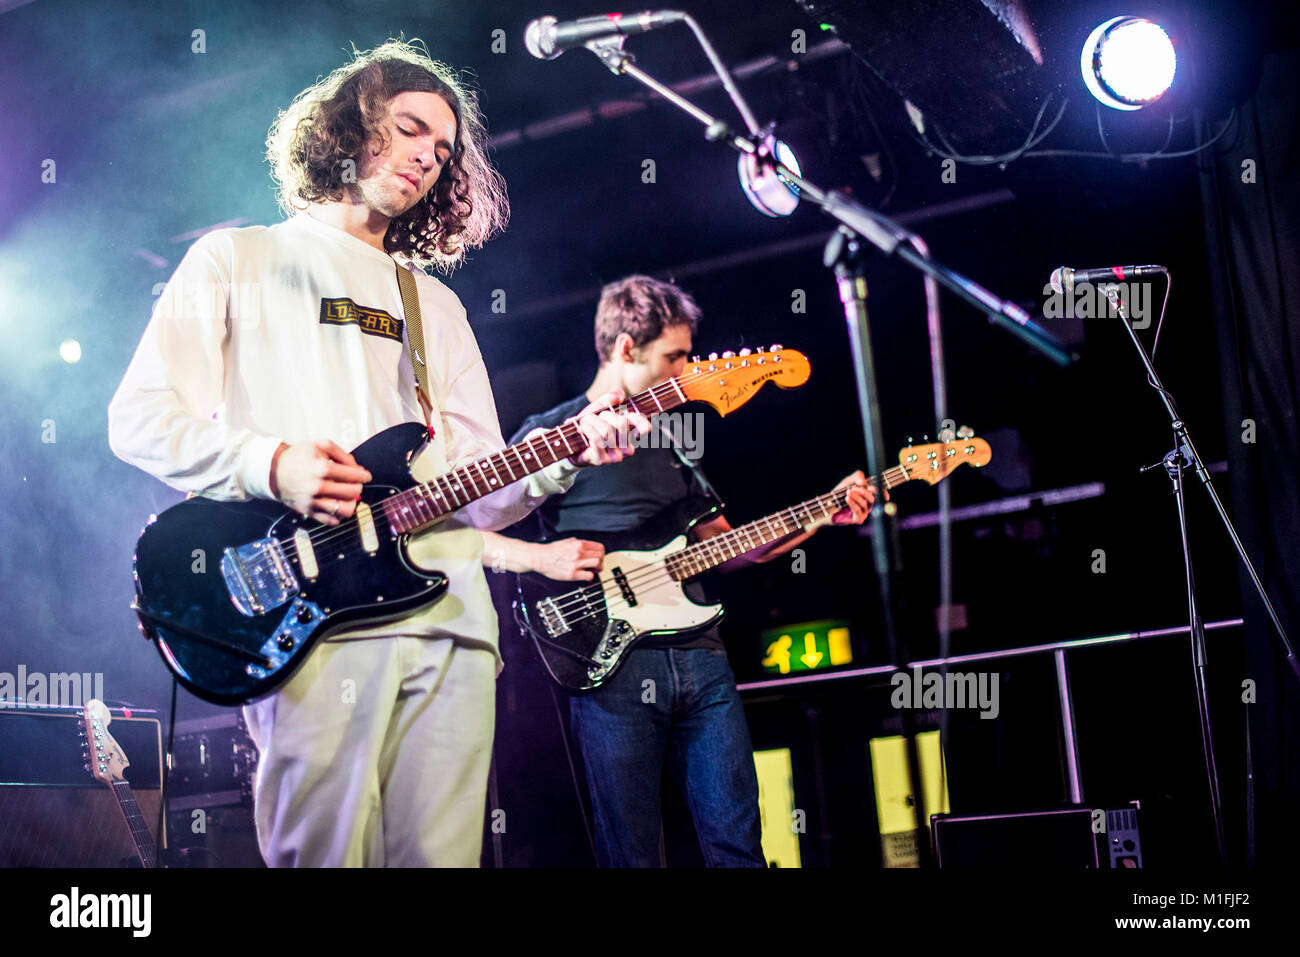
column 811, row 656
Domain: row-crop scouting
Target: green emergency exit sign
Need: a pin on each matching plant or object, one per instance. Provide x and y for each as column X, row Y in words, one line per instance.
column 808, row 646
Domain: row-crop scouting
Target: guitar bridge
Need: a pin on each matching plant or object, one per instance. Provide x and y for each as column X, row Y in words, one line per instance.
column 257, row 576
column 552, row 618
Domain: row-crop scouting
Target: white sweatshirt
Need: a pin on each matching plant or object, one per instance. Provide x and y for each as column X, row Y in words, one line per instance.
column 279, row 334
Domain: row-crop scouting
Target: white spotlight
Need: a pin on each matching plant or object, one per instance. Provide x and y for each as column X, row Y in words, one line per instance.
column 1128, row 62
column 70, row 351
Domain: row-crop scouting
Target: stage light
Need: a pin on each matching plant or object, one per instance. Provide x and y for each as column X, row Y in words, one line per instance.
column 766, row 191
column 70, row 351
column 1128, row 62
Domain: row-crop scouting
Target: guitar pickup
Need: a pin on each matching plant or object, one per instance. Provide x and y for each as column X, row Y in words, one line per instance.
column 257, row 576
column 629, row 596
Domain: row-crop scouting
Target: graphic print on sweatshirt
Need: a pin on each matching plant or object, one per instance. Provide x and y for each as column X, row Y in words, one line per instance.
column 373, row 322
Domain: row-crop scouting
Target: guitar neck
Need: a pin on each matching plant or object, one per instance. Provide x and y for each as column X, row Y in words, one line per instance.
column 714, row 551
column 422, row 505
column 144, row 843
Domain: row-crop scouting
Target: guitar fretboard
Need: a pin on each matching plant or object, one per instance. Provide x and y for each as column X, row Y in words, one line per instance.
column 144, row 843
column 712, row 552
column 425, row 503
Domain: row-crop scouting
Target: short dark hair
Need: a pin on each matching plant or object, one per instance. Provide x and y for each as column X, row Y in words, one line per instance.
column 642, row 307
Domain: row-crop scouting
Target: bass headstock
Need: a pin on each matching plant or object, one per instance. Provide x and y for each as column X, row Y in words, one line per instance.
column 937, row 460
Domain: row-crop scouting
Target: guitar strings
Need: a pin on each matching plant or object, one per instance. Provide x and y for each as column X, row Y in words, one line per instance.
column 322, row 537
column 648, row 573
column 891, row 477
column 612, row 592
column 350, row 528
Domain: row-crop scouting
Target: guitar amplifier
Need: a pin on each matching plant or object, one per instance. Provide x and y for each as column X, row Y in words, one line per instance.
column 53, row 813
column 213, row 758
column 1059, row 840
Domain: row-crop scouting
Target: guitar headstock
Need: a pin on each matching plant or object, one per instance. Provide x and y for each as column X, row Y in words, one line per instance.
column 729, row 380
column 105, row 758
column 937, row 460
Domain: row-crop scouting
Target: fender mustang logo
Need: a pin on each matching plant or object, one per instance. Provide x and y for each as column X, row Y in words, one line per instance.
column 373, row 322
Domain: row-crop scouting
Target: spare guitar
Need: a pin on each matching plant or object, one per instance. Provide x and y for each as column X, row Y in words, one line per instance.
column 583, row 633
column 106, row 761
column 235, row 594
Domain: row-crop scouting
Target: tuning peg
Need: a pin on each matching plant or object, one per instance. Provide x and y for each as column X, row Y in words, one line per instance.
column 760, row 349
column 713, row 357
column 946, row 435
column 745, row 352
column 909, row 440
column 695, row 358
column 776, row 348
column 965, row 432
column 728, row 354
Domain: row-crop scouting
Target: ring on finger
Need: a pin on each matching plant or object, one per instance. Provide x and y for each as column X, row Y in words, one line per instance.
column 334, row 509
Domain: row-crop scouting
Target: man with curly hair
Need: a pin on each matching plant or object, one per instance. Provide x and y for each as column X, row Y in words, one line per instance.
column 269, row 350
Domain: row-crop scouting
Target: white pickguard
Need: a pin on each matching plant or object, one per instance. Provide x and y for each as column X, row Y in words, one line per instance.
column 661, row 605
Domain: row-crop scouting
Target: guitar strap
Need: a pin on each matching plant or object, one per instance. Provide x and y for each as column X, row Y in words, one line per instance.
column 415, row 333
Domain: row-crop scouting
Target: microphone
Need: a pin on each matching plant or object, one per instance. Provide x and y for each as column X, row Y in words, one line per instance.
column 546, row 38
column 1063, row 277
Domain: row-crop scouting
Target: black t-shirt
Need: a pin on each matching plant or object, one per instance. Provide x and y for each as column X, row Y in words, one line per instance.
column 619, row 498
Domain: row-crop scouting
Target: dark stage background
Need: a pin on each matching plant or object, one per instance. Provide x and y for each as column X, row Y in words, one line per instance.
column 153, row 142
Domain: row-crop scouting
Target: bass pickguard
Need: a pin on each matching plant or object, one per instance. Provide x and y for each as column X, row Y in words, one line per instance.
column 584, row 630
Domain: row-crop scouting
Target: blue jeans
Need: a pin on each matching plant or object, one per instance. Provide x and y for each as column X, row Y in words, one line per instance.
column 682, row 706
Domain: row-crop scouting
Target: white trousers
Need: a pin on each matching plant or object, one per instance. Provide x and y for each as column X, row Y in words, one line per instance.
column 376, row 754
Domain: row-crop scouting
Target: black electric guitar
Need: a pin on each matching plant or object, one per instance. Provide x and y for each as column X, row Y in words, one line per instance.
column 106, row 761
column 583, row 632
column 235, row 594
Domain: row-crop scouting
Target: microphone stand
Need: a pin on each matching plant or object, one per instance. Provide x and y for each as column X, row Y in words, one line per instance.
column 844, row 255
column 1184, row 455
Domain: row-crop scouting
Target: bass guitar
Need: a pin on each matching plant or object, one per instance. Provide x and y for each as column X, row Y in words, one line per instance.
column 583, row 634
column 233, row 630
